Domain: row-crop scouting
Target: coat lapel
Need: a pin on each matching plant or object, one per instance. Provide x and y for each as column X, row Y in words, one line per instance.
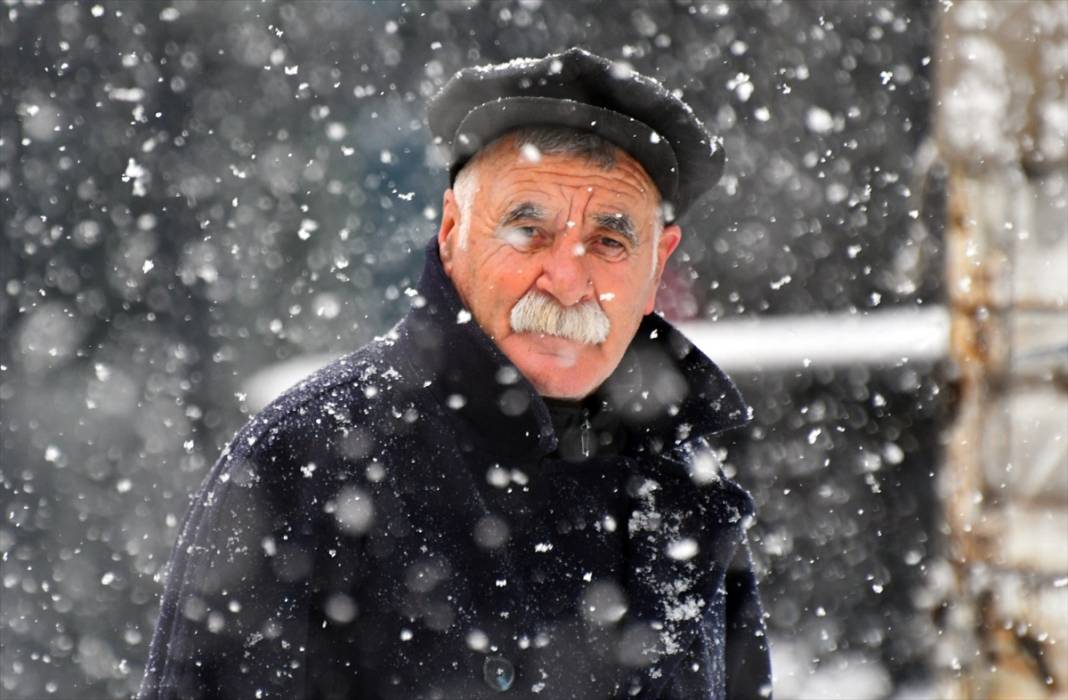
column 683, row 535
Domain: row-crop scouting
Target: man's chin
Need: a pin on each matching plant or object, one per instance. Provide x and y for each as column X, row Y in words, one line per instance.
column 561, row 385
column 556, row 367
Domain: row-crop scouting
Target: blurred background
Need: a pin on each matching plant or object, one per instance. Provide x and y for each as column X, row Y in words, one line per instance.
column 203, row 201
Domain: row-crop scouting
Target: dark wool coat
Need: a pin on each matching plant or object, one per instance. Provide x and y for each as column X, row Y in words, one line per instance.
column 346, row 544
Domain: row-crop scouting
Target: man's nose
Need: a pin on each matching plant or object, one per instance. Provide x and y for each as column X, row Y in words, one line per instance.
column 565, row 273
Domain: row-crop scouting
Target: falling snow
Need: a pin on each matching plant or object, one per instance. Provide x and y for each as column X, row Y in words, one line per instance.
column 206, row 202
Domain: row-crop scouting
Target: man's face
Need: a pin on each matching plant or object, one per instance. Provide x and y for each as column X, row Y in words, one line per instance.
column 568, row 238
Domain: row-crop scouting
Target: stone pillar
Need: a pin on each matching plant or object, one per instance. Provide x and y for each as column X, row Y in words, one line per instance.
column 1001, row 114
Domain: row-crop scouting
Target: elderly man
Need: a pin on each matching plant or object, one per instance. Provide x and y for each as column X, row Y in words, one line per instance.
column 511, row 492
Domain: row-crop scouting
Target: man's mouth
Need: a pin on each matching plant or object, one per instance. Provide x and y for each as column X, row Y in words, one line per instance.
column 563, row 350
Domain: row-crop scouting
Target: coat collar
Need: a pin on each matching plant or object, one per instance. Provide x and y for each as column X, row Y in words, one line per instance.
column 667, row 390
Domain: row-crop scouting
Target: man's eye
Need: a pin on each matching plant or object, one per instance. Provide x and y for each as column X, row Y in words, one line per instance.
column 611, row 248
column 519, row 236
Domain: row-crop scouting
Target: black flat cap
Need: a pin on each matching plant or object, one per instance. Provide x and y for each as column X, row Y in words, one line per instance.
column 583, row 91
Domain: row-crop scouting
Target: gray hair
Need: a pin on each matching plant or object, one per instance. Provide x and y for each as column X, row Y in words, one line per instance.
column 549, row 140
column 561, row 140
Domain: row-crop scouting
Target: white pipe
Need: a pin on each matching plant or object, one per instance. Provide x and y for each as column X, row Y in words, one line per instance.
column 765, row 343
column 782, row 342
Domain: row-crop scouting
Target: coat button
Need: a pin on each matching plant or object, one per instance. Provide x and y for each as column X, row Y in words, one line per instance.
column 498, row 672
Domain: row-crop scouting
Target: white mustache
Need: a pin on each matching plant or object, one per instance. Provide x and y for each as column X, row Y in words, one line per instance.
column 582, row 323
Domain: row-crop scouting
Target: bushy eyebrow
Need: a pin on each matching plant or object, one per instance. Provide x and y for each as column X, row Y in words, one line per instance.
column 620, row 223
column 617, row 222
column 523, row 210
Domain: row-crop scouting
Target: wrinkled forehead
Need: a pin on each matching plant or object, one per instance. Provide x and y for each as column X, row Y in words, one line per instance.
column 509, row 163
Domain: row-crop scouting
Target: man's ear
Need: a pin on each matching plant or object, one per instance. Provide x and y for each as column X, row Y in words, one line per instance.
column 449, row 231
column 669, row 241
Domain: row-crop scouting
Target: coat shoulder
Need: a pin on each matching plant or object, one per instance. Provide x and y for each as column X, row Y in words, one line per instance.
column 254, row 533
column 304, row 429
column 338, row 393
